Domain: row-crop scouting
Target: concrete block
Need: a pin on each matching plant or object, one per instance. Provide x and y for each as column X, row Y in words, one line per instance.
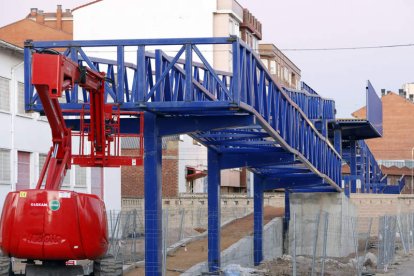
column 341, row 223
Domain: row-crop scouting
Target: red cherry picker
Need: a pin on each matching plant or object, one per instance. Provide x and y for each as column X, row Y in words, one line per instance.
column 51, row 225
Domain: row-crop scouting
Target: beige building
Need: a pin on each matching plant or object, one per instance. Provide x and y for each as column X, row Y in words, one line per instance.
column 283, row 70
column 231, row 18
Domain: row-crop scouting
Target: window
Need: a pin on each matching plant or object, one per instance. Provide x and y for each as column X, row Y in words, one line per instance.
column 272, row 67
column 285, row 74
column 66, row 180
column 5, row 175
column 23, row 170
column 265, row 62
column 42, row 160
column 96, row 181
column 4, row 94
column 80, row 176
column 20, row 98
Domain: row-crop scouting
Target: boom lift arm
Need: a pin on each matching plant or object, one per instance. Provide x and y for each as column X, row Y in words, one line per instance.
column 53, row 74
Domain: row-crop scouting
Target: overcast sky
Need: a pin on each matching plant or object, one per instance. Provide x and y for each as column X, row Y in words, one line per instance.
column 299, row 24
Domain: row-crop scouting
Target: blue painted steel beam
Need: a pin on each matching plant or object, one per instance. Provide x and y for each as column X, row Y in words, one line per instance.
column 258, row 220
column 315, row 190
column 152, row 192
column 180, row 125
column 238, row 160
column 269, row 185
column 214, row 206
column 130, row 42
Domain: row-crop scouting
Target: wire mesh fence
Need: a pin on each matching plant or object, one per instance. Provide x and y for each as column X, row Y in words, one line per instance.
column 127, row 229
column 333, row 244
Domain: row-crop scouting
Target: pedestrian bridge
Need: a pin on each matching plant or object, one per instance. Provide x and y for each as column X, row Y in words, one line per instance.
column 288, row 138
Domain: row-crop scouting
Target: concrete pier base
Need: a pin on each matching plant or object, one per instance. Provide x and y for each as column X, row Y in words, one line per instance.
column 327, row 218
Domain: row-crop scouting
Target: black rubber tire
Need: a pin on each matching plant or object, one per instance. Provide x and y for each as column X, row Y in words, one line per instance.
column 5, row 265
column 107, row 266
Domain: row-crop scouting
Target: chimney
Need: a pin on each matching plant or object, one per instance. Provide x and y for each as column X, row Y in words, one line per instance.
column 40, row 17
column 59, row 17
column 33, row 12
column 383, row 92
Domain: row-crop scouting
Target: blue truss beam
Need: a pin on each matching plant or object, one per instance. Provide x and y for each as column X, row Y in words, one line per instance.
column 238, row 160
column 180, row 125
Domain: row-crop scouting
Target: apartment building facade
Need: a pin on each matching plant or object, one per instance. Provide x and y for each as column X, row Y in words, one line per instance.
column 282, row 69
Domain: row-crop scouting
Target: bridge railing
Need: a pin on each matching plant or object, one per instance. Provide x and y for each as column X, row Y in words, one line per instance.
column 188, row 79
column 314, row 106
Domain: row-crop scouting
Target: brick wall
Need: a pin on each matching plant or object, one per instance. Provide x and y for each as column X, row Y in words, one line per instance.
column 376, row 205
column 397, row 140
column 132, row 178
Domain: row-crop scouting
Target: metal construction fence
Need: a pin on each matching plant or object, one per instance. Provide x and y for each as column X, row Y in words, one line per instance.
column 127, row 229
column 329, row 243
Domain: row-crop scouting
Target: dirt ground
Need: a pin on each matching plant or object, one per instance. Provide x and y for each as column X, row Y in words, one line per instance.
column 196, row 252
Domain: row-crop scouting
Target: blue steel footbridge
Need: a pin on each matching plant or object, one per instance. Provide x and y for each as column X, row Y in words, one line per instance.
column 288, row 138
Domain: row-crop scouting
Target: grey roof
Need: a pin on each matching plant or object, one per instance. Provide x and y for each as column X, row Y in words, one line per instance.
column 6, row 45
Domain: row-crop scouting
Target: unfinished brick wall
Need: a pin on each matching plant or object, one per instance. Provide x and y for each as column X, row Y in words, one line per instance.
column 132, row 178
column 376, row 205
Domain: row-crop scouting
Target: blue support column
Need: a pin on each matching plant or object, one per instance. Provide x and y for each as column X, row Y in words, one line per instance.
column 338, row 141
column 258, row 220
column 28, row 88
column 152, row 192
column 367, row 174
column 286, row 221
column 214, row 220
column 353, row 166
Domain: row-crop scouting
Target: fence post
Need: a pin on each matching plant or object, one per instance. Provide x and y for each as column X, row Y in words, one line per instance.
column 180, row 237
column 315, row 242
column 164, row 241
column 294, row 246
column 355, row 236
column 401, row 234
column 325, row 239
column 368, row 236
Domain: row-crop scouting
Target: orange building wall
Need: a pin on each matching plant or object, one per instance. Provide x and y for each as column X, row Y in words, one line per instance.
column 398, row 134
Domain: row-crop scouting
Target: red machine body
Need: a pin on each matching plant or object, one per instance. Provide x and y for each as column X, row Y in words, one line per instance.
column 49, row 224
column 54, row 225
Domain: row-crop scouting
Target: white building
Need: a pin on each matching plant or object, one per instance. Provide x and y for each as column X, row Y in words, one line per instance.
column 110, row 19
column 26, row 138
